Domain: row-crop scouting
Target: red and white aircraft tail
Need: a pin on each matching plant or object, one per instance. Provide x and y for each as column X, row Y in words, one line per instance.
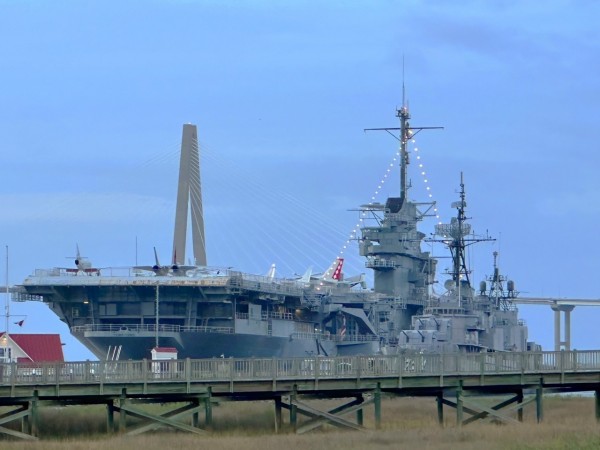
column 334, row 273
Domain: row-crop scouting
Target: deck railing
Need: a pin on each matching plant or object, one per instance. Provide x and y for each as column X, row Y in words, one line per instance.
column 119, row 329
column 256, row 369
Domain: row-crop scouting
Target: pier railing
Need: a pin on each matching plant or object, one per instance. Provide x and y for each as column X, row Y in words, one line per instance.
column 309, row 368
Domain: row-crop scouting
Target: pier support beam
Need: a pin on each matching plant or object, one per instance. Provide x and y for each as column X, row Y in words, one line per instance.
column 334, row 417
column 377, row 406
column 208, row 409
column 110, row 417
column 500, row 412
column 20, row 413
column 170, row 418
column 195, row 415
column 440, row 408
column 34, row 414
column 294, row 410
column 459, row 404
column 597, row 402
column 539, row 402
column 278, row 415
column 122, row 413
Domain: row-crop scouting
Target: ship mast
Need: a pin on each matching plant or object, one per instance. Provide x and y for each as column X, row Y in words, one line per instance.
column 405, row 134
column 458, row 245
column 454, row 236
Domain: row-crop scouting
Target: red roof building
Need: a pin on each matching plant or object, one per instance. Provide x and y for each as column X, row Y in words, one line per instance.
column 30, row 348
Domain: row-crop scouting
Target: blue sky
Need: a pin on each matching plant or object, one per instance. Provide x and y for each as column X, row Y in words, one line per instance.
column 93, row 96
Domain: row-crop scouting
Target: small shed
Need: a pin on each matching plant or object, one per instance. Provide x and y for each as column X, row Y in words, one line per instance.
column 163, row 353
column 163, row 360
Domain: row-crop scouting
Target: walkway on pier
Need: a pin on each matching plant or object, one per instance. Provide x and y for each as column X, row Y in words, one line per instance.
column 455, row 380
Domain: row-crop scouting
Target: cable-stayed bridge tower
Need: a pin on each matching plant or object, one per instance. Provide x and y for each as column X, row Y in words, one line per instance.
column 189, row 197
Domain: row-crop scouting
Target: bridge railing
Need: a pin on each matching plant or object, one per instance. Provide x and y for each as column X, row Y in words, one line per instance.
column 256, row 369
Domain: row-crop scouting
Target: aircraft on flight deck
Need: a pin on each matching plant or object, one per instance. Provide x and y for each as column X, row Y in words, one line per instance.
column 161, row 271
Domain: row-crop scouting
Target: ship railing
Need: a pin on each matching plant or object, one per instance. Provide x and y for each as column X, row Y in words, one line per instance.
column 137, row 328
column 357, row 338
column 312, row 336
column 335, row 337
column 91, row 272
column 379, row 262
column 234, row 278
column 508, row 305
column 395, row 217
column 251, row 282
column 304, row 368
column 266, row 315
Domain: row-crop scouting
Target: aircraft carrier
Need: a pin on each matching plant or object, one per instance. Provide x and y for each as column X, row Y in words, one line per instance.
column 199, row 312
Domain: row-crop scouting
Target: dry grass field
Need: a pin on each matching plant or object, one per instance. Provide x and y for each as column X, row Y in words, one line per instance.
column 569, row 423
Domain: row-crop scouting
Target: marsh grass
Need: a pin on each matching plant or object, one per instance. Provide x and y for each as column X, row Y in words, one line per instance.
column 569, row 423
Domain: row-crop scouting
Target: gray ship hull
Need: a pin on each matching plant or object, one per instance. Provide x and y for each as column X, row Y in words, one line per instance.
column 206, row 345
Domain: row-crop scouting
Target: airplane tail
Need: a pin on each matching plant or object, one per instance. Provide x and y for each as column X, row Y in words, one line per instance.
column 156, row 261
column 306, row 277
column 82, row 262
column 335, row 270
column 357, row 280
column 77, row 255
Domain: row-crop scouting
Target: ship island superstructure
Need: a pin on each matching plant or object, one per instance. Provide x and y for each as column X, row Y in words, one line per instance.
column 213, row 312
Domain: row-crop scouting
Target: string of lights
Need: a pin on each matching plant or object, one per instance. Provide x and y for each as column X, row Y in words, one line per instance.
column 425, row 179
column 377, row 191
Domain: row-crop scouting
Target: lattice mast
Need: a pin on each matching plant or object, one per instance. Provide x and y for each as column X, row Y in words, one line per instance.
column 456, row 235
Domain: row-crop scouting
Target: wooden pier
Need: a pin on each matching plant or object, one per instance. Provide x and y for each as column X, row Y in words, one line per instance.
column 456, row 380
